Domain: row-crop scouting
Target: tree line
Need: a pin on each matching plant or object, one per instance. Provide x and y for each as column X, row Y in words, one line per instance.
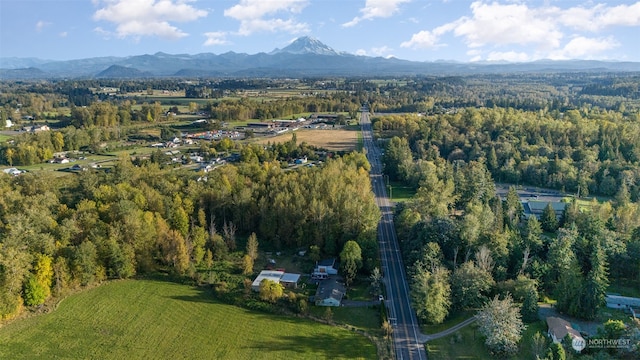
column 593, row 152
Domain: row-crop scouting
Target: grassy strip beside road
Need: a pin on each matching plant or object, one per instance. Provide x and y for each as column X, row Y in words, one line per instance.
column 468, row 343
column 151, row 319
column 400, row 192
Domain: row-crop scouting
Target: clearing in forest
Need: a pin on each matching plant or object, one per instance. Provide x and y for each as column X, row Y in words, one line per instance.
column 334, row 140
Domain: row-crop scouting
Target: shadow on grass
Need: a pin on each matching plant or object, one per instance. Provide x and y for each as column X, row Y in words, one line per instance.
column 200, row 298
column 321, row 345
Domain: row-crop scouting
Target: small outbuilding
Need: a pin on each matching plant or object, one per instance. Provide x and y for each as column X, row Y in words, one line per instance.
column 288, row 280
column 625, row 303
column 536, row 208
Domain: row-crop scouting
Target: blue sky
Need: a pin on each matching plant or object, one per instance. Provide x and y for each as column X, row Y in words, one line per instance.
column 419, row 30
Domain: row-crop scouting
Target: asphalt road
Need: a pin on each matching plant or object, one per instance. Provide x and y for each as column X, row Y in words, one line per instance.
column 406, row 332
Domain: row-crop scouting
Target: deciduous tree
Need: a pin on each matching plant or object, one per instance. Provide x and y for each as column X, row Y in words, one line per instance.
column 270, row 290
column 351, row 260
column 501, row 324
column 431, row 294
column 470, row 286
column 252, row 246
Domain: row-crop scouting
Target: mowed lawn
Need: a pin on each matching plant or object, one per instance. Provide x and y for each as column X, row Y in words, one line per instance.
column 153, row 319
column 334, row 140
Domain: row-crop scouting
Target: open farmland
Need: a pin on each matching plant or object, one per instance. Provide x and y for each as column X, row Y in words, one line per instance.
column 335, row 140
column 152, row 319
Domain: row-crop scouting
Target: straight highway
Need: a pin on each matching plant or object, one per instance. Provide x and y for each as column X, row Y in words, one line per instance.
column 406, row 332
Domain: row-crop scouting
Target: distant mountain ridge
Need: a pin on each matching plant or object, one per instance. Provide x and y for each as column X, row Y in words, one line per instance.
column 304, row 57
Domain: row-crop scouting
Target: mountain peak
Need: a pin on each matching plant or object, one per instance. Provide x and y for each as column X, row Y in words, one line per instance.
column 306, row 45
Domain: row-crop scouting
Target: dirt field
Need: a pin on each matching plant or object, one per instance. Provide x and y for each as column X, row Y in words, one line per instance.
column 335, row 140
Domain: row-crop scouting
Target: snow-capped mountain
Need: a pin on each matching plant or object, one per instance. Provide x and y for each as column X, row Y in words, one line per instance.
column 307, row 45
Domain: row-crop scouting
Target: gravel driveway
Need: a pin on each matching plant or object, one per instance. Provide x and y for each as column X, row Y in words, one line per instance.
column 589, row 327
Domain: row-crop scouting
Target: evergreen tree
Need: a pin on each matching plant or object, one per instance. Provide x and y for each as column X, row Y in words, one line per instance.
column 514, row 210
column 529, row 310
column 556, row 352
column 549, row 219
column 595, row 285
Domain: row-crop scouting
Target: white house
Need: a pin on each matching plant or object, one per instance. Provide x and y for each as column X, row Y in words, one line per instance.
column 329, row 293
column 334, row 299
column 559, row 328
column 324, row 268
column 12, row 171
column 38, row 128
column 8, row 123
column 60, row 160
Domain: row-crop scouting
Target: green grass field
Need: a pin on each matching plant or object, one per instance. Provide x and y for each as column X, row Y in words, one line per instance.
column 154, row 319
column 468, row 343
column 400, row 192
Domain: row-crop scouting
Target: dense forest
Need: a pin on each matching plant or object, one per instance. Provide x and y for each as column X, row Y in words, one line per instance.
column 463, row 244
column 58, row 234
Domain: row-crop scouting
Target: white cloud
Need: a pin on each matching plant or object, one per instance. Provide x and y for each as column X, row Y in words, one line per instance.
column 548, row 31
column 376, row 9
column 600, row 17
column 63, row 34
column 260, row 15
column 582, row 47
column 621, row 15
column 499, row 24
column 428, row 39
column 422, row 40
column 215, row 38
column 41, row 25
column 147, row 17
column 382, row 51
column 102, row 32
